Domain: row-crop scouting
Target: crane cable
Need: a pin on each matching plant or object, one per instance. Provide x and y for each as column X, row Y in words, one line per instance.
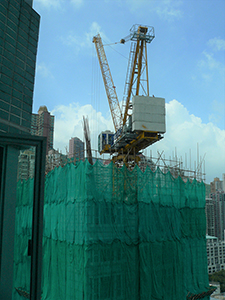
column 95, row 94
column 110, row 45
column 92, row 89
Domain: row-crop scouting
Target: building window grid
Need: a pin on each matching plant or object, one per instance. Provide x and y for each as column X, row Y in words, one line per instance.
column 216, row 255
column 18, row 25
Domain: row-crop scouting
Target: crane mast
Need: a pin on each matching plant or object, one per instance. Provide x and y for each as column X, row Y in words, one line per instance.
column 137, row 66
column 108, row 82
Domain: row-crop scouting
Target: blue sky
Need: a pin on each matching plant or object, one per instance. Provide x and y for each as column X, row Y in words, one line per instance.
column 186, row 67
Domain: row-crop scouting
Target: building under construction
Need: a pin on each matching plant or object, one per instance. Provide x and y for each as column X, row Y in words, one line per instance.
column 112, row 233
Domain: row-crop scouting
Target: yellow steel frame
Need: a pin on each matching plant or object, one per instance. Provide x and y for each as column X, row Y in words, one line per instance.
column 140, row 63
column 130, row 84
column 143, row 140
column 108, row 82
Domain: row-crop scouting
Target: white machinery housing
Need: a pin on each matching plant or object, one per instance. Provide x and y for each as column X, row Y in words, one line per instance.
column 148, row 114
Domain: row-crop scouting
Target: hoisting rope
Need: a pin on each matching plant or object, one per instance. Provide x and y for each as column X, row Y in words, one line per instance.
column 115, row 49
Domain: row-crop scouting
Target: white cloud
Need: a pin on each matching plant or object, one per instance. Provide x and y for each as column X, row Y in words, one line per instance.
column 50, row 3
column 210, row 66
column 169, row 10
column 184, row 131
column 58, row 4
column 166, row 9
column 94, row 29
column 77, row 3
column 44, row 71
column 218, row 106
column 71, row 39
column 217, row 112
column 217, row 44
column 68, row 123
column 134, row 5
column 84, row 41
column 208, row 61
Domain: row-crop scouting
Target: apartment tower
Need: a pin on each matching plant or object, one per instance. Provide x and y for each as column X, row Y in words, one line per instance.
column 42, row 124
column 76, row 148
column 19, row 29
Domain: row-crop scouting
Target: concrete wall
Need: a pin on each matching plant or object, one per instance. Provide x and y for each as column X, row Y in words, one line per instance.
column 148, row 114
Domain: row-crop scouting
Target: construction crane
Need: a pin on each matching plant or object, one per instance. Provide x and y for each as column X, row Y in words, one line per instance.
column 87, row 139
column 141, row 121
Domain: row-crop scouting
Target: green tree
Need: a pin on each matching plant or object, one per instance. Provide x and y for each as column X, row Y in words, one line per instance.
column 219, row 277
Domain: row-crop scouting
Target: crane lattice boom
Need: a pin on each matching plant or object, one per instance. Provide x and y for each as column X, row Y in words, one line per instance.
column 108, row 82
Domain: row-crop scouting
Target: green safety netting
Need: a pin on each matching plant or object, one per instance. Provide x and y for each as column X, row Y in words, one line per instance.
column 112, row 233
column 23, row 233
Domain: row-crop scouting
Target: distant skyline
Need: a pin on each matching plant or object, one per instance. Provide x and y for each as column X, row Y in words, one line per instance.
column 186, row 66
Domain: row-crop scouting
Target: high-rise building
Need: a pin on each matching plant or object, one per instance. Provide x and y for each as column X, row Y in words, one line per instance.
column 76, row 148
column 19, row 29
column 216, row 185
column 42, row 124
column 215, row 214
column 210, row 216
column 54, row 159
column 215, row 254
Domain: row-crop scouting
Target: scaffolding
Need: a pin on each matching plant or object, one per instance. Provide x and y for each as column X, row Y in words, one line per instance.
column 175, row 165
column 113, row 233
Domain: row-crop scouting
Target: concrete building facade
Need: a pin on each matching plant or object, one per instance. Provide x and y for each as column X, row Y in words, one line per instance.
column 215, row 215
column 26, row 164
column 215, row 254
column 76, row 148
column 218, row 200
column 216, row 185
column 19, row 29
column 42, row 124
column 54, row 159
column 210, row 216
